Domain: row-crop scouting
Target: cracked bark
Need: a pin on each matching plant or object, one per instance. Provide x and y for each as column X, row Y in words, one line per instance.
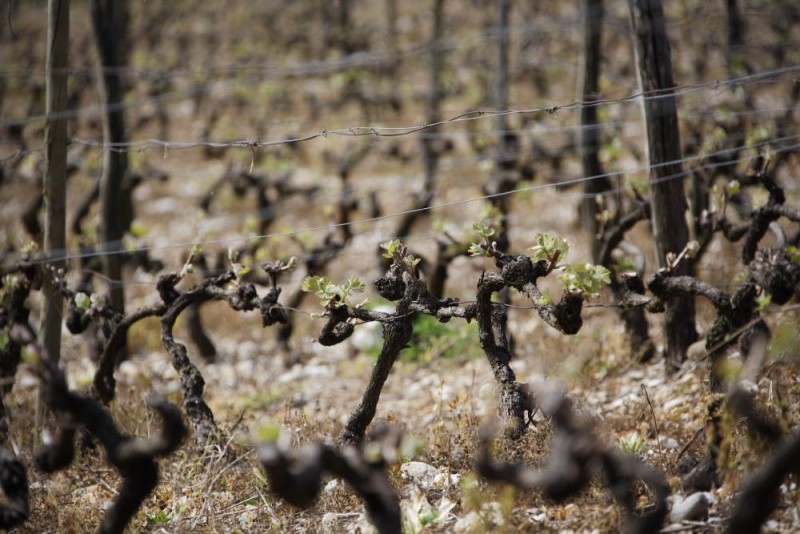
column 521, row 273
column 104, row 383
column 245, row 298
column 513, row 399
column 396, row 335
column 733, row 313
column 670, row 231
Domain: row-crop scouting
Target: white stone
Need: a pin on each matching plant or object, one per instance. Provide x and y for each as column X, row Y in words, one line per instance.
column 331, row 486
column 245, row 368
column 367, row 337
column 492, row 513
column 668, row 442
column 490, row 516
column 334, row 523
column 653, row 383
column 468, row 523
column 420, row 473
column 246, row 519
column 696, row 350
column 441, row 480
column 692, row 508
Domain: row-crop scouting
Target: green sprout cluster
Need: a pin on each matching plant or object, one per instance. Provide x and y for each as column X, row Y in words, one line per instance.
column 485, row 248
column 585, row 278
column 331, row 294
column 549, row 247
column 397, row 251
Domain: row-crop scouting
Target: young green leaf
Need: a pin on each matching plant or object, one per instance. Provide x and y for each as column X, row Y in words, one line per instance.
column 586, row 278
column 477, row 250
column 354, row 285
column 329, row 292
column 138, row 229
column 625, row 264
column 392, row 249
column 546, row 247
column 483, row 230
column 315, row 284
column 411, row 262
column 545, row 299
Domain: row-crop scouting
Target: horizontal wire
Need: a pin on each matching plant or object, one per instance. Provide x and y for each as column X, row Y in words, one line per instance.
column 226, row 222
column 467, row 116
column 542, row 24
column 134, row 146
column 381, row 131
column 115, row 248
column 283, row 71
column 162, row 143
column 223, row 223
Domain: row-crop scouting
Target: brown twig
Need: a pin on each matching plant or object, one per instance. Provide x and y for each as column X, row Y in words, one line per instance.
column 655, row 422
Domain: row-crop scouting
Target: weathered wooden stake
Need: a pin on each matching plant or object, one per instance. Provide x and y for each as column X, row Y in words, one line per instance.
column 589, row 132
column 670, row 230
column 105, row 22
column 55, row 174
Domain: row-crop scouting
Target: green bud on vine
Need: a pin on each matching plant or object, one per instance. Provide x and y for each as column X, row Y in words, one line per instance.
column 549, row 247
column 794, row 254
column 477, row 250
column 763, row 301
column 486, row 231
column 330, row 293
column 587, row 278
column 393, row 249
column 83, row 301
column 483, row 230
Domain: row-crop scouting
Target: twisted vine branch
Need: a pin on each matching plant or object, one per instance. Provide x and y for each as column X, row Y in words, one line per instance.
column 134, row 458
column 297, row 478
column 578, row 455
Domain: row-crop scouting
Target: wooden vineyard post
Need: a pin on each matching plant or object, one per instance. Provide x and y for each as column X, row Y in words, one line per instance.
column 589, row 139
column 505, row 178
column 430, row 145
column 115, row 163
column 666, row 180
column 589, row 132
column 55, row 174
